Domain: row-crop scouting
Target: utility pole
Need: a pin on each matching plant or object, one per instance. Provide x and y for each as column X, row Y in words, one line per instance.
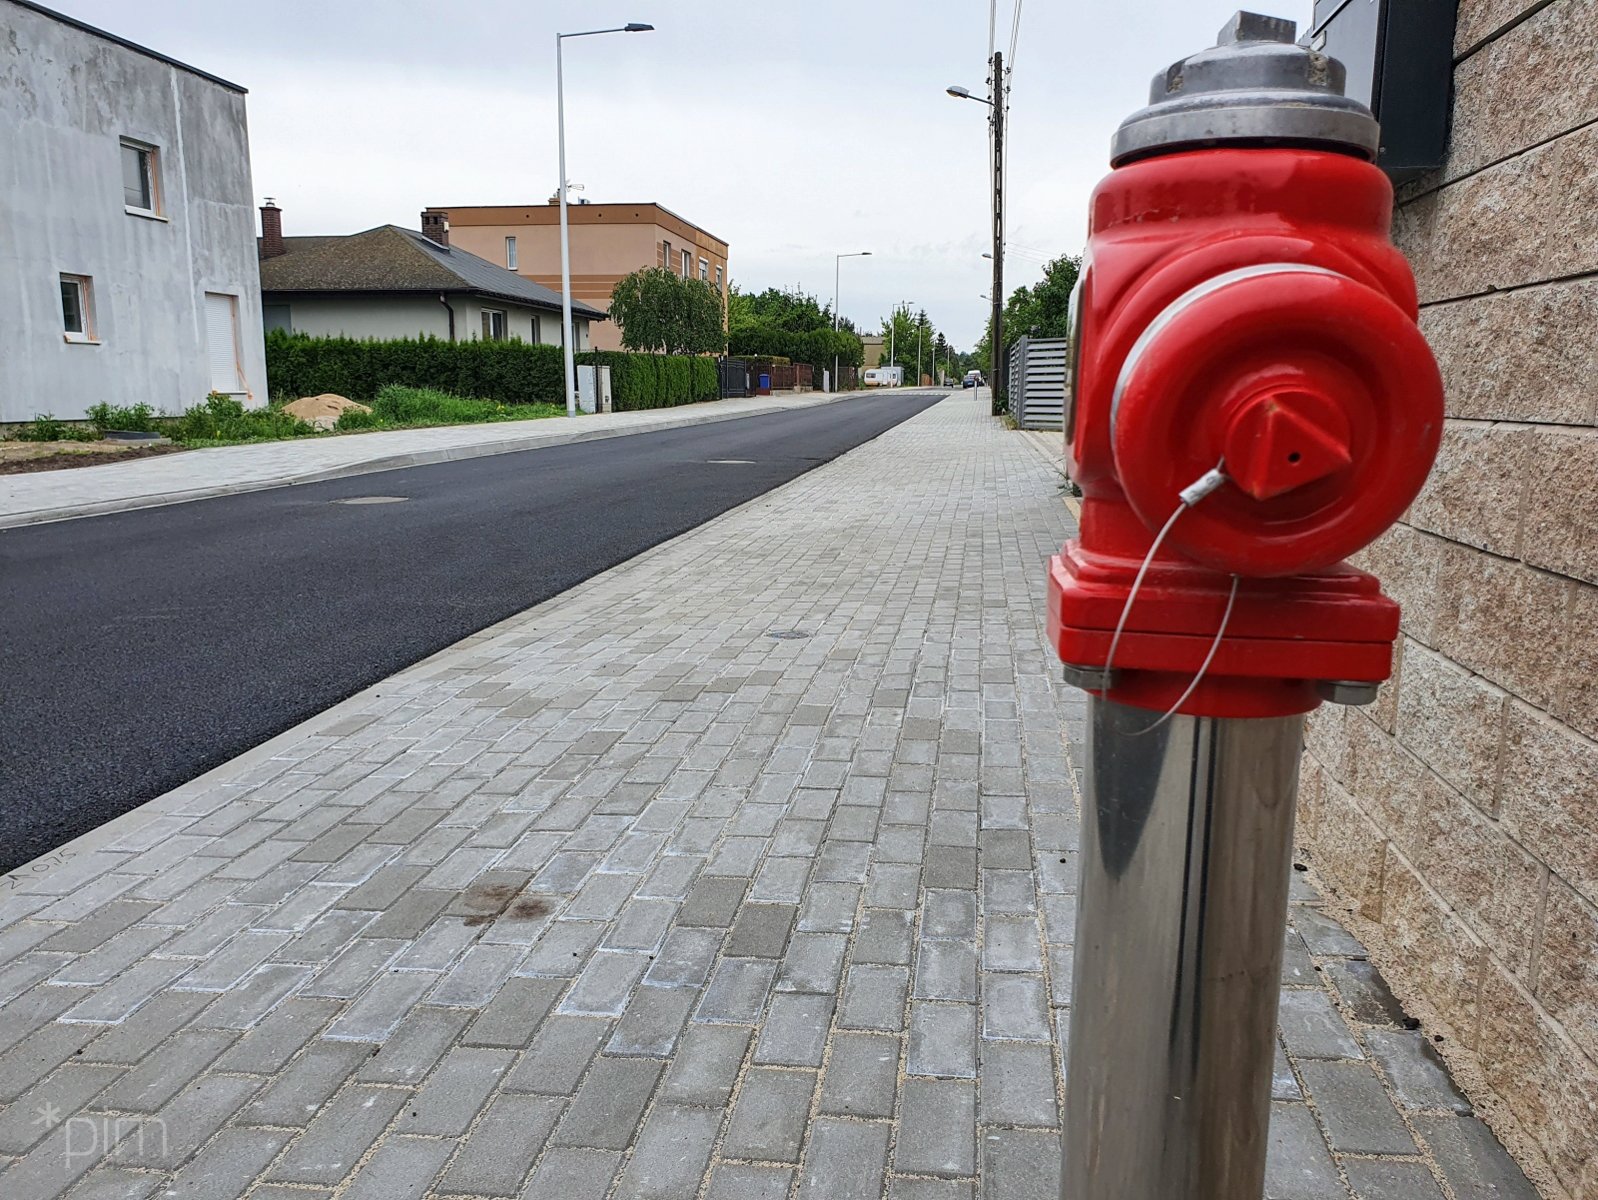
column 997, row 91
column 920, row 324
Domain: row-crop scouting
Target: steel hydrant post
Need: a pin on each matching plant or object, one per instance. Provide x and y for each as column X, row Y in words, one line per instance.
column 1187, row 835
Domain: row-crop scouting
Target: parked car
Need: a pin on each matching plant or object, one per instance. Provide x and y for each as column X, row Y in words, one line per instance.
column 973, row 379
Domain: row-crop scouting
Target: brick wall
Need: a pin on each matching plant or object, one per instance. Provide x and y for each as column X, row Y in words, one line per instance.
column 1458, row 817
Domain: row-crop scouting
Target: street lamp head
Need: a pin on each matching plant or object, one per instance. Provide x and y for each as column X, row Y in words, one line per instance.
column 865, row 254
column 958, row 92
column 985, row 254
column 635, row 27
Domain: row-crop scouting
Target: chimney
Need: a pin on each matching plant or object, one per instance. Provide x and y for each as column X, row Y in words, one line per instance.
column 272, row 230
column 435, row 226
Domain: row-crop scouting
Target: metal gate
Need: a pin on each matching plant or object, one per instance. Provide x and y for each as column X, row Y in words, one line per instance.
column 1037, row 382
column 734, row 377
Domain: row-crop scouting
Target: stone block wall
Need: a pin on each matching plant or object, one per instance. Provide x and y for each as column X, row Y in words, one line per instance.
column 1458, row 816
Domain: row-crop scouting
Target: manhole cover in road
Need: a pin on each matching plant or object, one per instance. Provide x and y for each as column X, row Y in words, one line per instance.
column 787, row 635
column 373, row 500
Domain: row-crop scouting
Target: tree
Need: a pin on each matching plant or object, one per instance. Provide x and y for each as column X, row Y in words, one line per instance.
column 1040, row 311
column 777, row 323
column 657, row 311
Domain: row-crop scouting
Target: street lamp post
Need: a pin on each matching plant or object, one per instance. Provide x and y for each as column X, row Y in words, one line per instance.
column 566, row 333
column 837, row 270
column 996, row 102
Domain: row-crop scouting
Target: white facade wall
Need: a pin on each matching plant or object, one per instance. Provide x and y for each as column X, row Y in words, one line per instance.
column 384, row 318
column 67, row 98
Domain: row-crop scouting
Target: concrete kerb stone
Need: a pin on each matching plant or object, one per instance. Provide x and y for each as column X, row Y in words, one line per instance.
column 395, row 462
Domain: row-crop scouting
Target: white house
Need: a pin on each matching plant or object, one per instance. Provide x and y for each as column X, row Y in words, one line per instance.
column 388, row 282
column 127, row 248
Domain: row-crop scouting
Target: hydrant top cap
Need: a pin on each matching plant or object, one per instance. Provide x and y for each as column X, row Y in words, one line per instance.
column 1256, row 85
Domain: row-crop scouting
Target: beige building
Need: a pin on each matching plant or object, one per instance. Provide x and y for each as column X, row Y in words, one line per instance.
column 608, row 241
column 1458, row 817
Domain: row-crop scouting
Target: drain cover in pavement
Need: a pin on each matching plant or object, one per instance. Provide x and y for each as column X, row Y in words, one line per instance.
column 787, row 635
column 730, row 462
column 373, row 500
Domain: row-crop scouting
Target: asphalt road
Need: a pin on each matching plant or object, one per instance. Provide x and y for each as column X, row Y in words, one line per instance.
column 141, row 649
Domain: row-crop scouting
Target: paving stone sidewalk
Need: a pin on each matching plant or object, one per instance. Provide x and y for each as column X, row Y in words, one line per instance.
column 743, row 871
column 227, row 470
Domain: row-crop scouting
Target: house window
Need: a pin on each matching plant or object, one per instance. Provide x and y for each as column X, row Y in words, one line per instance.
column 535, row 329
column 223, row 352
column 141, row 181
column 704, row 270
column 510, row 254
column 77, row 308
column 687, row 264
column 276, row 316
column 493, row 325
column 665, row 255
column 718, row 279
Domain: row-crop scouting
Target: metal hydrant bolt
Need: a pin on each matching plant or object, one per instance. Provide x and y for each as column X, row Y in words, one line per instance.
column 1251, row 402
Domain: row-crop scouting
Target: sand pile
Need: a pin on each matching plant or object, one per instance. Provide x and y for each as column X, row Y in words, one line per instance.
column 322, row 411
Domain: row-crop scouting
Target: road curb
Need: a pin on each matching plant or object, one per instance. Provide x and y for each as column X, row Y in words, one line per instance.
column 393, row 462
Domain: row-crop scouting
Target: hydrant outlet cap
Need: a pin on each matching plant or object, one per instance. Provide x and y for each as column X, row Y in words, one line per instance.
column 1256, row 85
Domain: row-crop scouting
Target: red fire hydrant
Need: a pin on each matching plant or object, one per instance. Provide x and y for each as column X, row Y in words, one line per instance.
column 1250, row 403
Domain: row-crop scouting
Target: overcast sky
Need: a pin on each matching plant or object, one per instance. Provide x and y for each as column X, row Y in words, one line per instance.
column 788, row 127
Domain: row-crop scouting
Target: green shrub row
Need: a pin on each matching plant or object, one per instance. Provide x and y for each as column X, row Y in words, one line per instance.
column 509, row 372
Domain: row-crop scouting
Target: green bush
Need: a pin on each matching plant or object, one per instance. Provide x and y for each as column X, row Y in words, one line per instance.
column 397, row 407
column 139, row 418
column 509, row 373
column 223, row 419
column 53, row 429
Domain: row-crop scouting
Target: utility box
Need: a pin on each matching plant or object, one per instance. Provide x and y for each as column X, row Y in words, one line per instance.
column 593, row 389
column 1400, row 60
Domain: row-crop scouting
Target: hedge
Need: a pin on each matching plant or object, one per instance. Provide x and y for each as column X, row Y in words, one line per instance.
column 509, row 372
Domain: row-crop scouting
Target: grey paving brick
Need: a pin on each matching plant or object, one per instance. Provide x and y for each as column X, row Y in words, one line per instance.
column 230, row 1164
column 119, row 1183
column 813, row 963
column 873, row 998
column 1062, row 973
column 380, row 1009
column 1298, row 1165
column 605, row 984
column 885, row 936
column 65, row 1091
column 563, row 949
column 352, row 971
column 653, row 1022
column 455, row 1091
column 943, row 1040
column 403, row 1168
column 166, row 1139
column 830, row 908
column 737, row 991
column 1416, row 1072
column 671, row 879
column 92, row 931
column 121, row 997
column 1365, row 993
column 1354, row 1108
column 768, row 1118
column 1378, row 1179
column 415, row 1047
column 498, row 1154
column 1008, row 892
column 844, row 1160
column 685, row 958
column 410, row 914
column 949, row 914
column 894, row 885
column 294, row 1096
column 165, row 1071
column 1059, row 918
column 905, row 1188
column 256, row 997
column 41, row 1052
column 1021, row 1164
column 1018, row 1085
column 559, row 1055
column 937, row 1128
column 339, row 1135
column 706, row 1065
column 1011, row 944
column 1284, row 1084
column 795, row 1030
column 732, row 1181
column 568, row 1174
column 761, row 930
column 671, row 1156
column 1323, row 935
column 712, row 901
column 861, row 1076
column 1313, row 1028
column 604, row 1114
column 141, row 1033
column 641, row 926
column 515, row 1012
column 1473, row 1161
column 1014, row 1006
